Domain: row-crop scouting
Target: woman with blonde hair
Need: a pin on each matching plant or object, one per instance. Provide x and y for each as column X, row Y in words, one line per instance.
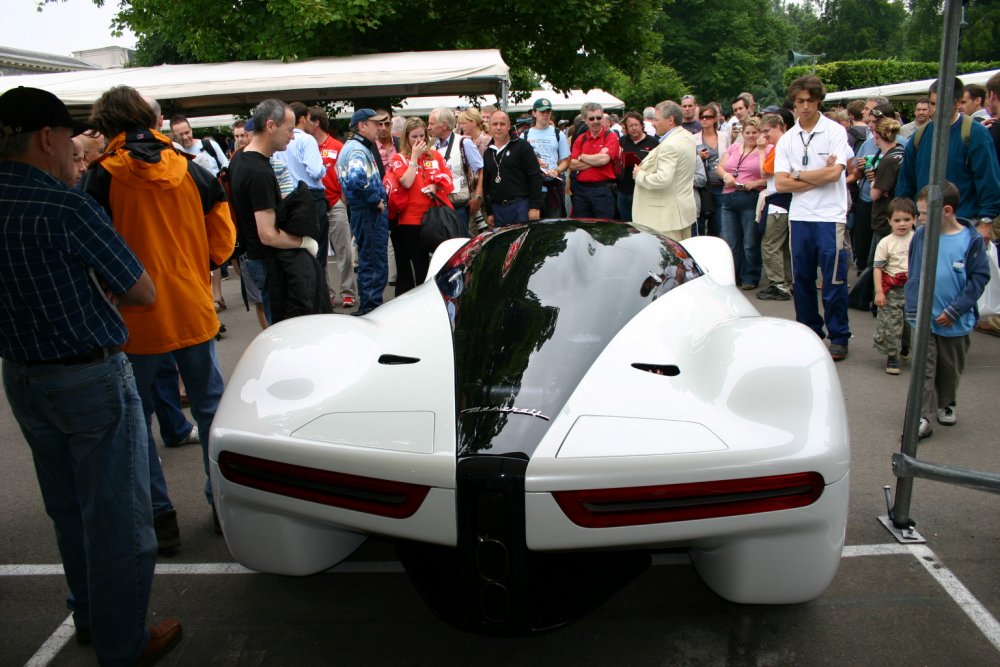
column 741, row 174
column 416, row 175
column 472, row 126
column 882, row 170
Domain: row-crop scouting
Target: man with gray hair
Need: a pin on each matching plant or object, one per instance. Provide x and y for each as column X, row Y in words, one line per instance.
column 463, row 159
column 664, row 180
column 647, row 120
column 255, row 195
column 593, row 159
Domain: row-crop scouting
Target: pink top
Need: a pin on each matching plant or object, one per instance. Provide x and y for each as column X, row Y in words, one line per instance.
column 743, row 168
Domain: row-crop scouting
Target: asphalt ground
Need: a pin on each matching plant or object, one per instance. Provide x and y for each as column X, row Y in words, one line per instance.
column 890, row 604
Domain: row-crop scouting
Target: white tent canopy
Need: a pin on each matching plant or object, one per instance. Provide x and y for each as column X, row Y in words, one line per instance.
column 911, row 90
column 213, row 88
column 569, row 101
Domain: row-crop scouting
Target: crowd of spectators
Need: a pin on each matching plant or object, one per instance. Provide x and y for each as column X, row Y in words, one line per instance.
column 124, row 286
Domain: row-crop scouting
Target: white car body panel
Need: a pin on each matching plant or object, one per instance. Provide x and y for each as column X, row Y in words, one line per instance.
column 754, row 397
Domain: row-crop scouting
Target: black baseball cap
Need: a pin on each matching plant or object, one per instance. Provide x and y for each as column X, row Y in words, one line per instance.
column 30, row 109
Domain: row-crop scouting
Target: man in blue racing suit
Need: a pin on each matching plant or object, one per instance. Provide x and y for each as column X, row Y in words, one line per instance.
column 360, row 172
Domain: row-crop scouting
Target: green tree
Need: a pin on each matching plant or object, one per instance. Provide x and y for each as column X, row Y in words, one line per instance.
column 857, row 29
column 722, row 49
column 978, row 40
column 571, row 43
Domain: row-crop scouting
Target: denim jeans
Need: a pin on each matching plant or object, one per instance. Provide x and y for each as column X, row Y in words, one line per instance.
column 253, row 273
column 739, row 231
column 84, row 426
column 625, row 206
column 173, row 424
column 199, row 367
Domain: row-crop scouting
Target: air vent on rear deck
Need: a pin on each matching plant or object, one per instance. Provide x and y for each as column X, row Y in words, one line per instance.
column 658, row 369
column 396, row 360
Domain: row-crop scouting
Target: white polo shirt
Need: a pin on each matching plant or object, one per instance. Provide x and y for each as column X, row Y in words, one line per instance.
column 827, row 203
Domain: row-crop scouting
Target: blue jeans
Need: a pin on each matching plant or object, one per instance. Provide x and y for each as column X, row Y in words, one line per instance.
column 715, row 223
column 820, row 244
column 371, row 233
column 510, row 214
column 739, row 231
column 253, row 274
column 174, row 426
column 199, row 367
column 84, row 426
column 593, row 201
column 625, row 206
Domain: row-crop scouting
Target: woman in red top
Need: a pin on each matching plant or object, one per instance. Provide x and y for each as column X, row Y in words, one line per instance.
column 416, row 174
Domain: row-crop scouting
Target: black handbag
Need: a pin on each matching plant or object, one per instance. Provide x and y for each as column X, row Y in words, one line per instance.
column 439, row 224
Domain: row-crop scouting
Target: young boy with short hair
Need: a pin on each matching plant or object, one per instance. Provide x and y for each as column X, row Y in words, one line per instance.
column 892, row 334
column 961, row 275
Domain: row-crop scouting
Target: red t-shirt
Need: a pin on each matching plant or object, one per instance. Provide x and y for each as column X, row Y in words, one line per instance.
column 588, row 145
column 329, row 150
column 413, row 203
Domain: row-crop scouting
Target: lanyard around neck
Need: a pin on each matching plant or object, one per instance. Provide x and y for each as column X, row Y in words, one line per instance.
column 805, row 146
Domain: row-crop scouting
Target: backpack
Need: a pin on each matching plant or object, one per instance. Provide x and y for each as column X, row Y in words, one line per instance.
column 966, row 136
column 208, row 147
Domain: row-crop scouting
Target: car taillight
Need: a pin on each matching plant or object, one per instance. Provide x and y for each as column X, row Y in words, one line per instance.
column 396, row 500
column 636, row 506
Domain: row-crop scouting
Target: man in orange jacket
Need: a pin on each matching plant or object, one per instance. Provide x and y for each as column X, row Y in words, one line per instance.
column 173, row 214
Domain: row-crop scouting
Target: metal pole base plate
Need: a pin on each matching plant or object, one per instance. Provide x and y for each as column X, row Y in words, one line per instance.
column 906, row 536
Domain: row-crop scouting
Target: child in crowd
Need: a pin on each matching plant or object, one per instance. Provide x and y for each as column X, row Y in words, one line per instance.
column 961, row 275
column 892, row 334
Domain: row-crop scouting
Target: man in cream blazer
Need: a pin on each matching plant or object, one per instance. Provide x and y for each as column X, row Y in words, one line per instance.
column 664, row 181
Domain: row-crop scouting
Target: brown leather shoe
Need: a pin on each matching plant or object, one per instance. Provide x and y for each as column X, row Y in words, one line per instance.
column 162, row 638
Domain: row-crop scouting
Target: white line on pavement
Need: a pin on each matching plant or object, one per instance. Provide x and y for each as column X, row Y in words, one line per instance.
column 967, row 602
column 50, row 649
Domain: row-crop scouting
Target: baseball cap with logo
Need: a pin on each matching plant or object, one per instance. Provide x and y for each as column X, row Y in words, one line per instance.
column 362, row 115
column 542, row 104
column 30, row 109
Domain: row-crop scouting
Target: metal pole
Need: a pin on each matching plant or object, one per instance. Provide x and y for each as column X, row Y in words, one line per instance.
column 938, row 170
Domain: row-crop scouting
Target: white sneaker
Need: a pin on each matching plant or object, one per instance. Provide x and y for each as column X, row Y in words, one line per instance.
column 925, row 429
column 946, row 415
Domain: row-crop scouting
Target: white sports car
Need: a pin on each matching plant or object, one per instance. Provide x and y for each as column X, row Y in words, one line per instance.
column 555, row 402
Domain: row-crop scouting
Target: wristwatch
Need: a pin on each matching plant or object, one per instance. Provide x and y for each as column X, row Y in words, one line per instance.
column 797, row 175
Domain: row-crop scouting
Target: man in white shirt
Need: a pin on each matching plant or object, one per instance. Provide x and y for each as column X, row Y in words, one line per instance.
column 810, row 161
column 214, row 158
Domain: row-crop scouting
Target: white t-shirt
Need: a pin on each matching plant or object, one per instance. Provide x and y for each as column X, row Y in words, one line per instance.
column 827, row 203
column 892, row 253
column 203, row 158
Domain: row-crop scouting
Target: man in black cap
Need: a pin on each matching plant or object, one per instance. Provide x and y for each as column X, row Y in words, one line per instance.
column 360, row 172
column 69, row 386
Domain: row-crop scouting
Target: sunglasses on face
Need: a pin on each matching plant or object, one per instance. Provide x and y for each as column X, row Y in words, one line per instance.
column 593, row 118
column 708, row 117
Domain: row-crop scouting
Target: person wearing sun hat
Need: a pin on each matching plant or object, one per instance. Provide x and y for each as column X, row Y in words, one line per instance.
column 69, row 385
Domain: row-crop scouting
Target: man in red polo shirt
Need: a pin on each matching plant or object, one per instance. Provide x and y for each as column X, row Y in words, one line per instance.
column 336, row 215
column 593, row 161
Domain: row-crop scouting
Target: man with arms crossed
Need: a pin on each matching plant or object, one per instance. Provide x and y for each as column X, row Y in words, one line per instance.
column 810, row 161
